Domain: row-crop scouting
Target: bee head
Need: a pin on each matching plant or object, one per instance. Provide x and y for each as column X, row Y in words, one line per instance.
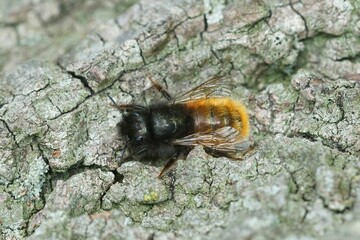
column 134, row 127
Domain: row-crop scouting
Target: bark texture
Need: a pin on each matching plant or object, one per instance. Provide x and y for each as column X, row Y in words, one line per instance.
column 294, row 64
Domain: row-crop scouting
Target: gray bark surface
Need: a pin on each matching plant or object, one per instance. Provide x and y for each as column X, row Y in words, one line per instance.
column 295, row 65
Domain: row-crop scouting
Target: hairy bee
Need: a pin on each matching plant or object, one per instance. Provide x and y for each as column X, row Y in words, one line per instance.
column 206, row 115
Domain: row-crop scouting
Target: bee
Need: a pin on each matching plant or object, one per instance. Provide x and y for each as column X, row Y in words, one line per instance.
column 205, row 115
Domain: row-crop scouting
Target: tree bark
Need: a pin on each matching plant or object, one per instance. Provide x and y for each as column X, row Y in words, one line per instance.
column 295, row 65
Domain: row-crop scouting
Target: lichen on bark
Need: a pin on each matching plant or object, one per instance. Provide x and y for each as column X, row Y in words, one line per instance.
column 295, row 65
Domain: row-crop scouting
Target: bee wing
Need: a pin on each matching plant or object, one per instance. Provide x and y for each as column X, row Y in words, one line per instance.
column 215, row 87
column 226, row 140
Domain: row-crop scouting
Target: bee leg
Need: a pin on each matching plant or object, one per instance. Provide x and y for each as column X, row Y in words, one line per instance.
column 167, row 166
column 124, row 160
column 161, row 89
column 131, row 156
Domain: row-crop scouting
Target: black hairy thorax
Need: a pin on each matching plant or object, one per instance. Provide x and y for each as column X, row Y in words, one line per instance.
column 149, row 132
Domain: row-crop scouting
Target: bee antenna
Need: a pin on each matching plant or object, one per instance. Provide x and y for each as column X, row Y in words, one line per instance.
column 114, row 103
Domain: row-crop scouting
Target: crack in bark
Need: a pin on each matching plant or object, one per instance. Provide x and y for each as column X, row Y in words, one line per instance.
column 215, row 55
column 11, row 132
column 101, row 39
column 83, row 80
column 117, row 178
column 52, row 103
column 70, row 110
column 172, row 185
column 205, row 23
column 302, row 17
column 177, row 41
column 210, row 181
column 348, row 58
column 303, row 219
column 36, row 90
column 46, row 183
column 205, row 27
column 337, row 211
column 141, row 52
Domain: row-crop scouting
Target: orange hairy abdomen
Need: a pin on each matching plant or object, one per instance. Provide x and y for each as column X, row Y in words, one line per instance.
column 214, row 113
